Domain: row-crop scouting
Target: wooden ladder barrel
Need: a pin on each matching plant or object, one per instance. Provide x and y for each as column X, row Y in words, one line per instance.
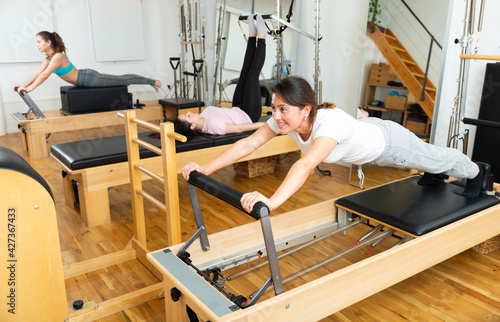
column 32, row 281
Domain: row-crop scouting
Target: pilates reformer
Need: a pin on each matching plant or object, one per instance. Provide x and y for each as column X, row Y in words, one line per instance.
column 35, row 131
column 436, row 221
column 91, row 167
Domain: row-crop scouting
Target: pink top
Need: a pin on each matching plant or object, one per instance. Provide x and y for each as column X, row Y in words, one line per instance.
column 217, row 117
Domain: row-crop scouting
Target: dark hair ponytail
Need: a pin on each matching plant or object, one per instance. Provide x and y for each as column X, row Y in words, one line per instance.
column 326, row 105
column 55, row 39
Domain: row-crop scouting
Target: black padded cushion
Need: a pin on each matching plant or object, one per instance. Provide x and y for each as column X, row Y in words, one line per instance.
column 108, row 150
column 415, row 209
column 180, row 103
column 10, row 160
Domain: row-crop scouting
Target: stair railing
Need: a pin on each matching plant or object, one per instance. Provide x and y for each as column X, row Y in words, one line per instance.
column 432, row 41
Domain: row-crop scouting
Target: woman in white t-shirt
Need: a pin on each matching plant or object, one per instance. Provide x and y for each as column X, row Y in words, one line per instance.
column 247, row 106
column 327, row 134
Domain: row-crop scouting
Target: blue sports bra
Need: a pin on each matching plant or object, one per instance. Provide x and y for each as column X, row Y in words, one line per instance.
column 61, row 71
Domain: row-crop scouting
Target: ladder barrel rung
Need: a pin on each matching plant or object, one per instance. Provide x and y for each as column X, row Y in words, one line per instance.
column 177, row 136
column 148, row 146
column 150, row 173
column 146, row 124
column 153, row 200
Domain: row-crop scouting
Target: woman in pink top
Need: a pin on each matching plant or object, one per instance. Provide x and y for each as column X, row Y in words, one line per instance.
column 247, row 106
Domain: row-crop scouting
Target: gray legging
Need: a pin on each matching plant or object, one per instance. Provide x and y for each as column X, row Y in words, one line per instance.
column 405, row 150
column 91, row 78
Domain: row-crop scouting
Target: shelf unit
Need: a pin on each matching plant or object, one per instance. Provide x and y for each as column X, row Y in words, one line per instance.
column 380, row 75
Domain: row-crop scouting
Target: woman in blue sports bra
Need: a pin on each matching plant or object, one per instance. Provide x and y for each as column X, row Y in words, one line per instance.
column 57, row 62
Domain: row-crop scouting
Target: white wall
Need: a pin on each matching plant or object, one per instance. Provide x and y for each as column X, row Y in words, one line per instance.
column 72, row 21
column 489, row 44
column 342, row 26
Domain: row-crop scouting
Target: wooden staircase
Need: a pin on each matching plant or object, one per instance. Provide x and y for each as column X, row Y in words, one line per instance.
column 405, row 67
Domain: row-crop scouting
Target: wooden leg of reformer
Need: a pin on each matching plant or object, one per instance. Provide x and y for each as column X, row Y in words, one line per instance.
column 69, row 192
column 174, row 309
column 94, row 206
column 36, row 144
column 24, row 143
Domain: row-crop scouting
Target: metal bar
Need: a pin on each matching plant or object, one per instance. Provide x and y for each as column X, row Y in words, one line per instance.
column 289, row 25
column 472, row 16
column 153, row 200
column 481, row 15
column 198, row 216
column 422, row 96
column 272, row 257
column 335, row 257
column 371, row 232
column 486, row 123
column 296, row 249
column 32, row 107
column 151, row 174
column 191, row 239
column 148, row 146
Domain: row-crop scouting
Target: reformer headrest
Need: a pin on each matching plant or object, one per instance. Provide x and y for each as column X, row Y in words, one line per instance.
column 10, row 160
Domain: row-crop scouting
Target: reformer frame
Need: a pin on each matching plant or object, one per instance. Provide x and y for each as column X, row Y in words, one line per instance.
column 321, row 297
column 34, row 132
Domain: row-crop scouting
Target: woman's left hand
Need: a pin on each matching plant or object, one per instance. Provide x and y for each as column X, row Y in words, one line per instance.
column 248, row 200
column 20, row 88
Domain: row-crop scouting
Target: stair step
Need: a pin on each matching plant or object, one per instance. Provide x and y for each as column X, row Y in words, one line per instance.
column 418, row 75
column 401, row 50
column 409, row 62
column 389, row 37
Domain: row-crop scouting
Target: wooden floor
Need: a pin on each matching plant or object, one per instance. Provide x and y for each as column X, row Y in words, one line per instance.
column 463, row 288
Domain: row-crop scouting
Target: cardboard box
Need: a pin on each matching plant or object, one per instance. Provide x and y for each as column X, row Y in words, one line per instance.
column 417, row 127
column 397, row 103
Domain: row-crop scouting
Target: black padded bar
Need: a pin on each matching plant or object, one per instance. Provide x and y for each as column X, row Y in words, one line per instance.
column 415, row 209
column 486, row 123
column 225, row 193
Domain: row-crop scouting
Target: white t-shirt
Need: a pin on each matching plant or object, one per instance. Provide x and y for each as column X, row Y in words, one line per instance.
column 358, row 142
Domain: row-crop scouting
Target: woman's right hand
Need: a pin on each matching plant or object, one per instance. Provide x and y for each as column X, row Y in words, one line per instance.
column 16, row 87
column 190, row 167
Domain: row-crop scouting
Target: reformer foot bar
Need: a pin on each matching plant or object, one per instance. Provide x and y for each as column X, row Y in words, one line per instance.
column 32, row 107
column 35, row 131
column 437, row 223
